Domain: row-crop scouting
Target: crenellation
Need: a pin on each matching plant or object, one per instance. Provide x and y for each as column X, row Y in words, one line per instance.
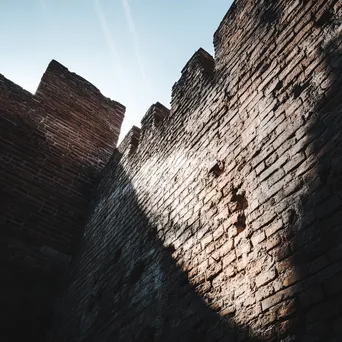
column 131, row 142
column 216, row 220
column 155, row 114
column 192, row 83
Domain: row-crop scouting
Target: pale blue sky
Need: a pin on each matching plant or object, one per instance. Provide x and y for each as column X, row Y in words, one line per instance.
column 132, row 50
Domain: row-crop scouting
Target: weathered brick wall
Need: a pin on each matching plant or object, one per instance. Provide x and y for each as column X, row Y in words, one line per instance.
column 224, row 224
column 52, row 146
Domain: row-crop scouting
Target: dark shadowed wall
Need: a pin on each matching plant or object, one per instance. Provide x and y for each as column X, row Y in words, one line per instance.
column 53, row 145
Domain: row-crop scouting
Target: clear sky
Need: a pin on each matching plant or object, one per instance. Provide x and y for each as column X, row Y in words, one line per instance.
column 132, row 50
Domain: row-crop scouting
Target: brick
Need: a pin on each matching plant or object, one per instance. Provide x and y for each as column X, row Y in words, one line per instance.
column 287, row 309
column 264, row 292
column 257, row 238
column 273, row 241
column 265, row 277
column 274, row 227
column 283, row 251
column 164, row 229
column 206, row 240
column 243, row 248
column 229, row 258
column 328, row 272
column 265, row 219
column 295, row 160
column 276, row 298
column 249, row 301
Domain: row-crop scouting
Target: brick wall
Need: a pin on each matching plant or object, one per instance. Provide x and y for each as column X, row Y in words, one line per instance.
column 53, row 145
column 224, row 223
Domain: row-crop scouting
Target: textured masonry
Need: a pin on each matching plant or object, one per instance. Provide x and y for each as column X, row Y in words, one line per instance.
column 223, row 221
column 217, row 220
column 53, row 145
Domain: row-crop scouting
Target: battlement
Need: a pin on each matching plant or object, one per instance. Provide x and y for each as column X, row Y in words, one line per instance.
column 153, row 117
column 70, row 79
column 186, row 91
column 79, row 97
column 194, row 77
column 56, row 141
column 150, row 125
column 155, row 114
column 201, row 60
column 216, row 220
column 130, row 142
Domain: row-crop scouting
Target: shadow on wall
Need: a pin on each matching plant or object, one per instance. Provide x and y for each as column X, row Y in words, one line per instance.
column 315, row 238
column 139, row 293
column 31, row 275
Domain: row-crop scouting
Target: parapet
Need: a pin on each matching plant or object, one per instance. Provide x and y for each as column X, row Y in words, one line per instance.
column 131, row 141
column 155, row 114
column 202, row 60
column 151, row 120
column 60, row 138
column 186, row 92
column 223, row 36
column 194, row 75
column 80, row 98
column 235, row 25
column 59, row 71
